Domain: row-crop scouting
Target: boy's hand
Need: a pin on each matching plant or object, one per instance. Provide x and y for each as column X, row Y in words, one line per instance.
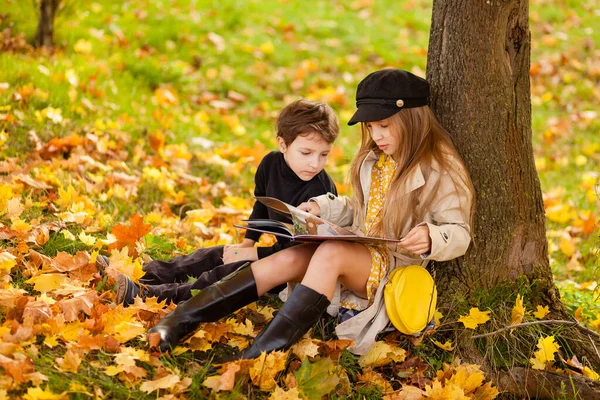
column 236, row 252
column 245, row 243
column 417, row 241
column 311, row 207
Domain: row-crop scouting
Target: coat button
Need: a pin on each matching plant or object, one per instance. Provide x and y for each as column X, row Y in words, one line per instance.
column 331, row 196
column 399, row 102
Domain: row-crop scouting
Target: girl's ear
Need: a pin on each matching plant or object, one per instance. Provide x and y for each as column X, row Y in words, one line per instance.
column 281, row 143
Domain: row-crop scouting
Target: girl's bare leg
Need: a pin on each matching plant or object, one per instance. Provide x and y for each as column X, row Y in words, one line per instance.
column 288, row 265
column 347, row 261
column 317, row 266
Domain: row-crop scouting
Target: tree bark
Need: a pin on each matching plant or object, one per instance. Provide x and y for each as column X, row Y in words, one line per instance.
column 44, row 35
column 478, row 66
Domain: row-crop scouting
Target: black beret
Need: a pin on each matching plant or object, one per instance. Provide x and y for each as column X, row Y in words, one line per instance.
column 384, row 93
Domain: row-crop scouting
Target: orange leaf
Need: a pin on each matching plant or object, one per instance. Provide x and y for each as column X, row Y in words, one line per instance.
column 70, row 362
column 129, row 235
column 72, row 307
column 64, row 262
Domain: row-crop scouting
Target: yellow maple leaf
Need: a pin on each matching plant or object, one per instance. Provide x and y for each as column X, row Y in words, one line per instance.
column 438, row 391
column 305, row 348
column 237, row 203
column 382, row 353
column 37, row 393
column 545, row 353
column 448, row 346
column 280, row 394
column 5, row 195
column 203, row 216
column 561, row 213
column 567, row 245
column 590, row 373
column 51, row 341
column 19, row 225
column 541, row 312
column 87, row 239
column 162, row 383
column 486, row 392
column 468, row 377
column 266, row 367
column 128, row 330
column 120, row 261
column 247, row 328
column 475, row 318
column 7, row 261
column 518, row 311
column 113, row 370
column 70, row 332
column 47, row 282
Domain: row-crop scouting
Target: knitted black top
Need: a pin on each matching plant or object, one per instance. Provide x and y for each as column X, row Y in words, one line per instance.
column 274, row 178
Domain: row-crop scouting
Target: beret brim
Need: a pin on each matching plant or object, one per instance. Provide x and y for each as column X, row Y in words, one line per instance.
column 372, row 113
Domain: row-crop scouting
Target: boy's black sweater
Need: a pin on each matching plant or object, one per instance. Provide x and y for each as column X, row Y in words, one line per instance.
column 274, row 178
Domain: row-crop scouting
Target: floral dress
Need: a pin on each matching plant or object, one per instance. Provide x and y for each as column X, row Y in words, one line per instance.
column 381, row 176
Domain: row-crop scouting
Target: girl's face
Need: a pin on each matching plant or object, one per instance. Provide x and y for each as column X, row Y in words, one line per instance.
column 306, row 155
column 383, row 136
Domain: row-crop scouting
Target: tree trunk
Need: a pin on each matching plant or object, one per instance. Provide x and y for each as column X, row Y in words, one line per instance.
column 478, row 66
column 44, row 35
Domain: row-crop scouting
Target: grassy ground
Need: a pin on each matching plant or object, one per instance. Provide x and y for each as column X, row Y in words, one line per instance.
column 207, row 74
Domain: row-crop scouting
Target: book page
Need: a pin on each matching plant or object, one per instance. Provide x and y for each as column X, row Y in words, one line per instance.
column 304, row 223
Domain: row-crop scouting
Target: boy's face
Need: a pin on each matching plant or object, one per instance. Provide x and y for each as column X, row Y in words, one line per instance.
column 306, row 155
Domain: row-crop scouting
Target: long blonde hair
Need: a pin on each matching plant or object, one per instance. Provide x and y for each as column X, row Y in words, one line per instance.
column 422, row 139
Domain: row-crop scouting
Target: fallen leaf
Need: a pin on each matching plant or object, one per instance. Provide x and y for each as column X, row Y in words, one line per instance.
column 127, row 236
column 518, row 311
column 280, row 394
column 70, row 362
column 541, row 312
column 162, row 383
column 266, row 367
column 314, row 380
column 382, row 353
column 448, row 346
column 225, row 381
column 475, row 318
column 545, row 353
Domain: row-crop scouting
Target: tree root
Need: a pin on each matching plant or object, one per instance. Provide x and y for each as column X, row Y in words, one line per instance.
column 546, row 385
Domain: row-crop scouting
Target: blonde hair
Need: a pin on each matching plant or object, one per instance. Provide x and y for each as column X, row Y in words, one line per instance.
column 422, row 139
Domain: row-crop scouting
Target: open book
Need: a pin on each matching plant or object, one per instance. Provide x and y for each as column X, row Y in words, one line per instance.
column 305, row 227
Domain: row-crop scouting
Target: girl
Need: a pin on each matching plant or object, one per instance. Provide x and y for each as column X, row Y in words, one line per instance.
column 408, row 181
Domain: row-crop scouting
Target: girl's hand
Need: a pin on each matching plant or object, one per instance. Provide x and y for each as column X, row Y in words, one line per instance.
column 417, row 241
column 310, row 207
column 238, row 253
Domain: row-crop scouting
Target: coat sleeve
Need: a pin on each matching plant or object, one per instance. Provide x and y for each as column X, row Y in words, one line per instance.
column 450, row 233
column 339, row 210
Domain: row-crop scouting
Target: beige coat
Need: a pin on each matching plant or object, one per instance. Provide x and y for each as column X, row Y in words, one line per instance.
column 449, row 232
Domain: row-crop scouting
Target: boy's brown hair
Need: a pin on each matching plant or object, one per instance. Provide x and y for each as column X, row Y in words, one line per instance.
column 305, row 116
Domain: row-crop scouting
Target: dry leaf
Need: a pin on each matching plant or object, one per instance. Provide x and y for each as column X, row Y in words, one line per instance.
column 225, row 381
column 475, row 318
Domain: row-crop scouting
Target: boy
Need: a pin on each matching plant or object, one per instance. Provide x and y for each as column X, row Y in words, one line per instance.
column 306, row 131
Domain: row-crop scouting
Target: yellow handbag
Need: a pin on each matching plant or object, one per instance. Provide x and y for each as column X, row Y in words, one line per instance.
column 410, row 298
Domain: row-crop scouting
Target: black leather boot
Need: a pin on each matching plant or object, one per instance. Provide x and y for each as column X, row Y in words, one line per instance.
column 299, row 313
column 212, row 303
